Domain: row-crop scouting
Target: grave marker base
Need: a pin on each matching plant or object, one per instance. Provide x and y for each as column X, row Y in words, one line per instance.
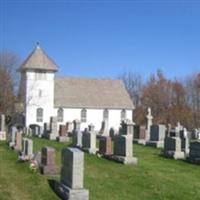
column 174, row 154
column 90, row 150
column 70, row 194
column 139, row 141
column 157, row 144
column 125, row 160
column 63, row 139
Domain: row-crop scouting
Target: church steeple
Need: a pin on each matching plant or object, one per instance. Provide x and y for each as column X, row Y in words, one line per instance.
column 38, row 60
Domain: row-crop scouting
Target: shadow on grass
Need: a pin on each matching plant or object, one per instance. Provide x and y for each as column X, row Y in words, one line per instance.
column 58, row 189
column 54, row 185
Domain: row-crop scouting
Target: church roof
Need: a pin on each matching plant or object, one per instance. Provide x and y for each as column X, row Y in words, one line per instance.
column 38, row 60
column 72, row 92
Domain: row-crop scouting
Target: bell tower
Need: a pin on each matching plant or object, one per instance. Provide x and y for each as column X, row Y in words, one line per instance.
column 37, row 87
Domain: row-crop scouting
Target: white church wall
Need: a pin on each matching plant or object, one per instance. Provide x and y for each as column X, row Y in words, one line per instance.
column 39, row 94
column 94, row 116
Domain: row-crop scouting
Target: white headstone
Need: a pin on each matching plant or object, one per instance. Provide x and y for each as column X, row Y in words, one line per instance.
column 149, row 123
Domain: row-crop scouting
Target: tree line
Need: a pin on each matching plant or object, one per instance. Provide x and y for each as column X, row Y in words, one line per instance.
column 171, row 101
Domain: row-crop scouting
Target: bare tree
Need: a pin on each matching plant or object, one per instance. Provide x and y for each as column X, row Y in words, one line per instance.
column 9, row 62
column 133, row 83
column 192, row 84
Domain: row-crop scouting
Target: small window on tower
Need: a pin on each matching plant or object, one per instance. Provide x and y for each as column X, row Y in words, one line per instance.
column 40, row 93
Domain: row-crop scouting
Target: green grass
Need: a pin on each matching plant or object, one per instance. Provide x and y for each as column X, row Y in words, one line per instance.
column 153, row 178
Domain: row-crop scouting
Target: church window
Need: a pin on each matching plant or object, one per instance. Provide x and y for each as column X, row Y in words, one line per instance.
column 60, row 114
column 105, row 114
column 83, row 115
column 123, row 114
column 39, row 115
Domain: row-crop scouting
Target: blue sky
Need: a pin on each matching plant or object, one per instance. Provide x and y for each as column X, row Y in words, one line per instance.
column 105, row 38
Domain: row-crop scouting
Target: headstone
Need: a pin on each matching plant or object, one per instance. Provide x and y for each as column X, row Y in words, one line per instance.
column 172, row 148
column 194, row 155
column 48, row 165
column 52, row 134
column 112, row 133
column 12, row 136
column 184, row 141
column 123, row 149
column 139, row 134
column 41, row 131
column 63, row 135
column 3, row 123
column 72, row 176
column 149, row 123
column 127, row 127
column 77, row 134
column 169, row 128
column 105, row 145
column 2, row 135
column 47, row 129
column 157, row 135
column 179, row 127
column 27, row 149
column 2, row 128
column 89, row 140
column 69, row 126
column 36, row 131
column 62, row 130
column 18, row 141
column 104, row 131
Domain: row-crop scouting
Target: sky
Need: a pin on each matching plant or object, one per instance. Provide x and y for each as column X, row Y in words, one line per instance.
column 105, row 38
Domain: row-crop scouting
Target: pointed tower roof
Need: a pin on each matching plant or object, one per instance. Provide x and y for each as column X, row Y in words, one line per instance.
column 38, row 60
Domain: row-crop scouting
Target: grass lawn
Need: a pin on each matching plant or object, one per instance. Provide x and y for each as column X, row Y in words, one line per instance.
column 153, row 178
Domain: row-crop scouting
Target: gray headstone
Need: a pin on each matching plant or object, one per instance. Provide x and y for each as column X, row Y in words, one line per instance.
column 172, row 148
column 194, row 155
column 89, row 141
column 123, row 149
column 72, row 172
column 3, row 123
column 77, row 134
column 71, row 185
column 157, row 132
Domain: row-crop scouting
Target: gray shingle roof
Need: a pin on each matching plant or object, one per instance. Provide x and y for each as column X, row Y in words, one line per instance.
column 38, row 60
column 91, row 93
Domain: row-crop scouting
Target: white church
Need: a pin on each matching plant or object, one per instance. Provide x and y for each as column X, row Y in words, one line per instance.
column 90, row 100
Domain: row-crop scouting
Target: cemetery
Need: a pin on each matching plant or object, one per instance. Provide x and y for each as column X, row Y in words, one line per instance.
column 95, row 165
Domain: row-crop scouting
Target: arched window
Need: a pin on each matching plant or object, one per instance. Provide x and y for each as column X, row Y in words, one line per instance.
column 60, row 113
column 39, row 115
column 83, row 115
column 105, row 114
column 123, row 114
